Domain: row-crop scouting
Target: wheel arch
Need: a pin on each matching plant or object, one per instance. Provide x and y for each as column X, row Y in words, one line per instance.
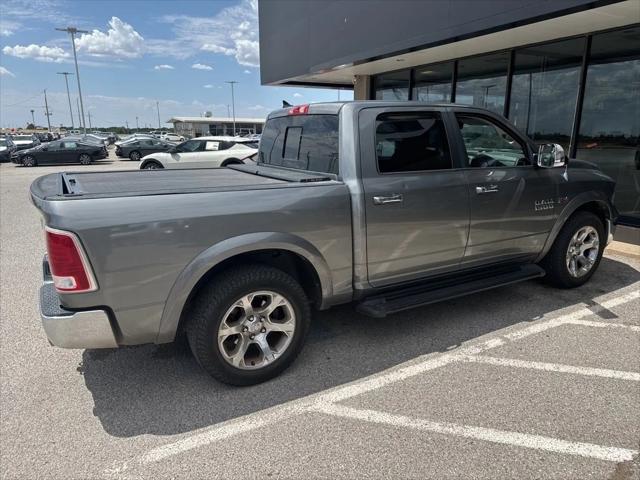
column 149, row 160
column 288, row 252
column 594, row 202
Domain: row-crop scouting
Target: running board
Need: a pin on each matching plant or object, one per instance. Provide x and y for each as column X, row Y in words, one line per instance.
column 381, row 305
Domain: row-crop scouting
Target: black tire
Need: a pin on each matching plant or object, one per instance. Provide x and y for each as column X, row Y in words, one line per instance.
column 135, row 156
column 555, row 262
column 29, row 161
column 152, row 165
column 84, row 159
column 231, row 161
column 208, row 310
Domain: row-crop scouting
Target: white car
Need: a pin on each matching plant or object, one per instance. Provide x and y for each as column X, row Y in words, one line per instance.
column 203, row 152
column 172, row 137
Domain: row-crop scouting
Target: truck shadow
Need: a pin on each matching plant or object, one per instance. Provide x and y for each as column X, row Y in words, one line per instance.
column 160, row 390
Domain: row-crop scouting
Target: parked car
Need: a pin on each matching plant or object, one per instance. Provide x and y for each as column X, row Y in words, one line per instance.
column 132, row 137
column 22, row 142
column 7, row 148
column 391, row 205
column 172, row 137
column 203, row 152
column 60, row 151
column 137, row 148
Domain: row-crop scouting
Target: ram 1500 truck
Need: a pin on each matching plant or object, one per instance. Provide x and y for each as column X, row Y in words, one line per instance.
column 388, row 205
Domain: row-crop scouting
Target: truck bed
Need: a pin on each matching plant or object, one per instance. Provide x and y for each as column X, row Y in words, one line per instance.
column 73, row 185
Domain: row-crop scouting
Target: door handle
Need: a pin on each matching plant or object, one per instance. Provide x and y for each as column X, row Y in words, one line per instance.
column 382, row 200
column 487, row 189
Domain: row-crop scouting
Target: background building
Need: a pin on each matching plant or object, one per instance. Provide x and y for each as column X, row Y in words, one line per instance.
column 201, row 126
column 564, row 71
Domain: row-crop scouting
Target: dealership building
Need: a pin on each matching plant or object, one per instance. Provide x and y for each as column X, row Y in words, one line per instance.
column 563, row 71
column 208, row 125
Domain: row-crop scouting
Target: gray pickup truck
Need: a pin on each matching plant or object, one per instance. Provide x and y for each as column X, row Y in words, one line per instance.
column 388, row 205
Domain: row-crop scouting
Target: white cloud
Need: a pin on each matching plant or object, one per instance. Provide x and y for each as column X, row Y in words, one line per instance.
column 208, row 85
column 233, row 32
column 4, row 71
column 297, row 95
column 248, row 72
column 8, row 27
column 42, row 53
column 200, row 66
column 257, row 107
column 164, row 66
column 120, row 41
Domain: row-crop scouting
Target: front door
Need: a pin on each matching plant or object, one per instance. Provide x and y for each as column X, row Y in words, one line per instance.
column 417, row 207
column 511, row 201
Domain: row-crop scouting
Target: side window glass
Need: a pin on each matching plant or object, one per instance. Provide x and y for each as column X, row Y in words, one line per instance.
column 191, row 146
column 487, row 145
column 411, row 142
column 292, row 143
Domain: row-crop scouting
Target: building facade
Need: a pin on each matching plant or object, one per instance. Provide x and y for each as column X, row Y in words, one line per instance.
column 202, row 126
column 563, row 71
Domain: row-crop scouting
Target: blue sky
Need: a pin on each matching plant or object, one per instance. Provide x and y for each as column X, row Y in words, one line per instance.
column 137, row 52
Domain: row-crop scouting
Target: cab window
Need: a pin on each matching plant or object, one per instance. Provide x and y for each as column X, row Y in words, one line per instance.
column 487, row 145
column 411, row 142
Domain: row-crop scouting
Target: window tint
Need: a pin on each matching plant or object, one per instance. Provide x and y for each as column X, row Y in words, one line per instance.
column 487, row 145
column 292, row 142
column 411, row 142
column 191, row 146
column 317, row 142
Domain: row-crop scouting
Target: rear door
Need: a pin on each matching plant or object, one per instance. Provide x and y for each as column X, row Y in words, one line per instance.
column 50, row 154
column 511, row 200
column 417, row 206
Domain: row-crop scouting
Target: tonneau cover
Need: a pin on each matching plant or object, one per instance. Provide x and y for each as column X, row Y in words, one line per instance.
column 67, row 186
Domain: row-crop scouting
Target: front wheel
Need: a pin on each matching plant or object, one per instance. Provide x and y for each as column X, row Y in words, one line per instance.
column 152, row 165
column 135, row 156
column 576, row 252
column 250, row 326
column 29, row 161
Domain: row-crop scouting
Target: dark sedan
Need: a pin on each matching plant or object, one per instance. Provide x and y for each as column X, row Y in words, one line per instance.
column 7, row 147
column 60, row 151
column 137, row 148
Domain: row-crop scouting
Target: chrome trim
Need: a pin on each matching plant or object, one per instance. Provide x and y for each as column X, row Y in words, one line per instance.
column 89, row 329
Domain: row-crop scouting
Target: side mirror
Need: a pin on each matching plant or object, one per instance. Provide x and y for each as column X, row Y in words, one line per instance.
column 550, row 155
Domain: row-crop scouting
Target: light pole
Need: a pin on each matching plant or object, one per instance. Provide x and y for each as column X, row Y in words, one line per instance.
column 33, row 119
column 78, row 106
column 72, row 31
column 46, row 107
column 233, row 104
column 137, row 126
column 66, row 81
column 158, row 109
column 89, row 114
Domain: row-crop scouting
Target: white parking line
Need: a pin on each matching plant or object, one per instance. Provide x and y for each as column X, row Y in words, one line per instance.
column 409, row 369
column 554, row 367
column 599, row 324
column 536, row 442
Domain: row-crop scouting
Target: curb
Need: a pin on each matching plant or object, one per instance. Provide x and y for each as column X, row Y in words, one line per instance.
column 622, row 248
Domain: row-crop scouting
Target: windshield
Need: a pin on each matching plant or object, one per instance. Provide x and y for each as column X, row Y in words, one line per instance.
column 23, row 137
column 304, row 142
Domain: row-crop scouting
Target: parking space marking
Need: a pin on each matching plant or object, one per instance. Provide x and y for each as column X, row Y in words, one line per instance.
column 536, row 442
column 599, row 324
column 395, row 374
column 554, row 367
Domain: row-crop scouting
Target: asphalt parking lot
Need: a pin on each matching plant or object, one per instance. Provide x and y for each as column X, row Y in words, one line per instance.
column 519, row 382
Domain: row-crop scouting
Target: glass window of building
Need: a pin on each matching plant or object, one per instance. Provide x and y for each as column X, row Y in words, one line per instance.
column 432, row 83
column 610, row 124
column 545, row 89
column 482, row 81
column 392, row 86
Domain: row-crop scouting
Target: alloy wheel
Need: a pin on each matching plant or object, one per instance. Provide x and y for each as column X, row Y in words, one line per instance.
column 582, row 252
column 256, row 330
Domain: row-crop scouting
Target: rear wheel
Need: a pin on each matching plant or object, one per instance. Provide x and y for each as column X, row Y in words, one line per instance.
column 152, row 165
column 231, row 161
column 576, row 252
column 251, row 326
column 135, row 156
column 29, row 161
column 85, row 159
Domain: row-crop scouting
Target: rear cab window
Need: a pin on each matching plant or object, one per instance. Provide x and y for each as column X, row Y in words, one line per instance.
column 303, row 142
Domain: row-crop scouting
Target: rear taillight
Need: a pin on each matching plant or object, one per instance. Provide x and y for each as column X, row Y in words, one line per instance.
column 69, row 266
column 299, row 110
